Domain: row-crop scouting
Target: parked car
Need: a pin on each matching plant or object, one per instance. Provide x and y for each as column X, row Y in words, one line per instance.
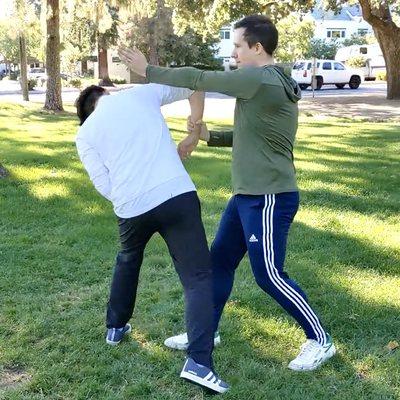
column 40, row 75
column 327, row 72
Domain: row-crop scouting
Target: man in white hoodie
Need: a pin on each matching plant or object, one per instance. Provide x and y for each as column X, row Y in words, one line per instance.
column 126, row 148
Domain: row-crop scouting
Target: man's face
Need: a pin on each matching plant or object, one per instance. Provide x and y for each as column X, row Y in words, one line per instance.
column 242, row 53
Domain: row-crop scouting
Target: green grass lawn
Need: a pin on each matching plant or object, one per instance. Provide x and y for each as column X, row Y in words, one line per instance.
column 58, row 240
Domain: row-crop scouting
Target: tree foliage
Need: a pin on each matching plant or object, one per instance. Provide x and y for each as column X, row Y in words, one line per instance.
column 323, row 49
column 26, row 21
column 207, row 16
column 294, row 38
column 186, row 49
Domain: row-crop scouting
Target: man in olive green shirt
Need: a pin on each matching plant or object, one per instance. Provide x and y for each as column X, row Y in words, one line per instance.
column 265, row 195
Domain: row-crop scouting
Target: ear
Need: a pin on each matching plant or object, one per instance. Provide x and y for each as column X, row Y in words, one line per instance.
column 258, row 48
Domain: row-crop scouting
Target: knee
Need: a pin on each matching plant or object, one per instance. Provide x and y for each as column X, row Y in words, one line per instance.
column 265, row 283
column 196, row 277
column 128, row 257
column 217, row 249
column 222, row 257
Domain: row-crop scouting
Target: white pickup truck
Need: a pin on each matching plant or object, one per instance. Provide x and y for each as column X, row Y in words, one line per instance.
column 327, row 72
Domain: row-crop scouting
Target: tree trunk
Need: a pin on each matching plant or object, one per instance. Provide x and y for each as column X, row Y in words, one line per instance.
column 103, row 65
column 23, row 63
column 390, row 45
column 53, row 91
column 388, row 34
column 153, row 55
column 84, row 67
column 157, row 28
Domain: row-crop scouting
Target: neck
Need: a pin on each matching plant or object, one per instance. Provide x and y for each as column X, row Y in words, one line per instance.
column 265, row 60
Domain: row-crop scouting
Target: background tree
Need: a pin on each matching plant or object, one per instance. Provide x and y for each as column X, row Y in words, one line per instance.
column 190, row 49
column 101, row 29
column 207, row 16
column 294, row 38
column 320, row 48
column 355, row 40
column 79, row 37
column 21, row 10
column 53, row 91
column 19, row 35
column 107, row 35
column 155, row 36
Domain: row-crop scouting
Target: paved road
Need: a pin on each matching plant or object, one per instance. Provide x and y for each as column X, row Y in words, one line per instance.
column 217, row 106
column 331, row 90
column 10, row 91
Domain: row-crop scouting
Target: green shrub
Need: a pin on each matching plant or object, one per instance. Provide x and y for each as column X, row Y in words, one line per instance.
column 118, row 81
column 356, row 62
column 32, row 83
column 76, row 83
column 381, row 76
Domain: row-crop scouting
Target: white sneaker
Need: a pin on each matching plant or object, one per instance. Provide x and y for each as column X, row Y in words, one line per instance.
column 180, row 342
column 312, row 355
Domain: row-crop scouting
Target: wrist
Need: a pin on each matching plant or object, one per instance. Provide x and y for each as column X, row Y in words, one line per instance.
column 204, row 133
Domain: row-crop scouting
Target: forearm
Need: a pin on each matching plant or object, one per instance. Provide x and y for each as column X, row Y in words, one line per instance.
column 196, row 101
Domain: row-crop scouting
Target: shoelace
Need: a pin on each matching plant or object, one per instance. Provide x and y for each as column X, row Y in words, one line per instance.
column 308, row 348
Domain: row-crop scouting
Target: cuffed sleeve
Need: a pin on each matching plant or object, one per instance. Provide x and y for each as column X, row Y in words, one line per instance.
column 220, row 139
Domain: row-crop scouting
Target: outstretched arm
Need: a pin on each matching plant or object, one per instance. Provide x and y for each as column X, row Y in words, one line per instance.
column 242, row 83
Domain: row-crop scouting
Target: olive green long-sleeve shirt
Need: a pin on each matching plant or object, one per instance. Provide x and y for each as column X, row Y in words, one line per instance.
column 265, row 122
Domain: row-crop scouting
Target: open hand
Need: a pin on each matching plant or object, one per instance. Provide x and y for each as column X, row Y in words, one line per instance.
column 187, row 145
column 134, row 59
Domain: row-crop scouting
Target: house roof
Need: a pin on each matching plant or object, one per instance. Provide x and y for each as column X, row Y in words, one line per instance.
column 345, row 14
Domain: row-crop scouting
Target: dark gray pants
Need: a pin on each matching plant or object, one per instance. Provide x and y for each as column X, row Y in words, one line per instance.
column 178, row 221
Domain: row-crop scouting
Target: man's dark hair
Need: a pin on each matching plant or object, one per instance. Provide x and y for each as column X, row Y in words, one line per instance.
column 259, row 29
column 86, row 102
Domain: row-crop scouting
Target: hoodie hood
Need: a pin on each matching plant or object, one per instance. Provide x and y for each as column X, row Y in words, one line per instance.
column 291, row 87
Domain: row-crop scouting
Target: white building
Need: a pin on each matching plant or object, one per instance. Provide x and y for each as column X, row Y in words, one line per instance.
column 348, row 22
column 225, row 46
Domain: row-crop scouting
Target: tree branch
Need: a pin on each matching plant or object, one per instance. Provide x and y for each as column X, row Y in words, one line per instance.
column 370, row 17
column 269, row 4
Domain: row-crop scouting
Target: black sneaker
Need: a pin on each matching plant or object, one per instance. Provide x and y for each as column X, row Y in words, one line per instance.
column 203, row 376
column 115, row 335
